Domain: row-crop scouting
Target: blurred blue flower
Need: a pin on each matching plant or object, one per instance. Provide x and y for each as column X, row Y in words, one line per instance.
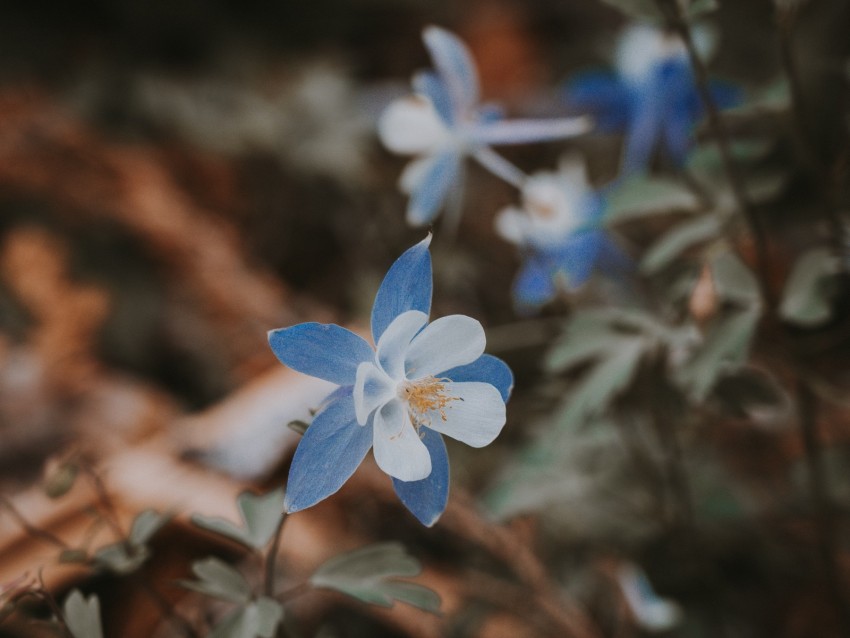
column 422, row 380
column 443, row 122
column 559, row 231
column 652, row 97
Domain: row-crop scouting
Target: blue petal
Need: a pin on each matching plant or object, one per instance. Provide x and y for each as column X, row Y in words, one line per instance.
column 455, row 66
column 426, row 499
column 677, row 137
column 613, row 260
column 321, row 350
column 577, row 257
column 488, row 369
column 428, row 84
column 406, row 286
column 602, row 95
column 430, row 193
column 643, row 135
column 332, row 449
column 534, row 284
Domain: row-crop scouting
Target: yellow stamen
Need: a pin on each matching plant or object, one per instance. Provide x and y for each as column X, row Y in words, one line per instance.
column 424, row 396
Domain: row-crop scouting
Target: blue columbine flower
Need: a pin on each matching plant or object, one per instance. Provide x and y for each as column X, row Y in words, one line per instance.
column 559, row 231
column 652, row 97
column 421, row 381
column 444, row 122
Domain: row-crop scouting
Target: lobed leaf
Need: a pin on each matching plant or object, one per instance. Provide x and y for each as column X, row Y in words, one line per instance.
column 260, row 515
column 219, row 580
column 82, row 615
column 807, row 298
column 368, row 574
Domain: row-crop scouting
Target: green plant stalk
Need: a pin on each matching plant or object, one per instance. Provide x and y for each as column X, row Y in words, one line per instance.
column 809, row 158
column 271, row 557
column 806, row 399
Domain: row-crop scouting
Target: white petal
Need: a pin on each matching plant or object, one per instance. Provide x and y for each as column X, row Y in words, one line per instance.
column 414, row 173
column 411, row 126
column 393, row 344
column 444, row 344
column 372, row 388
column 476, row 416
column 512, row 224
column 641, row 48
column 398, row 449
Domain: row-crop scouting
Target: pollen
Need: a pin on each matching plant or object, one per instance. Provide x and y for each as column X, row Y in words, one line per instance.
column 424, row 397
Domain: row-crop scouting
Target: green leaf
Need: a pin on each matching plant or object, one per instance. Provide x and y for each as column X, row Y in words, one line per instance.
column 257, row 619
column 698, row 8
column 61, row 479
column 83, row 615
column 678, row 239
column 807, row 298
column 643, row 196
column 219, row 580
column 645, row 10
column 260, row 515
column 706, row 160
column 121, row 558
column 577, row 347
column 368, row 574
column 775, row 97
column 145, row 525
column 298, row 426
column 733, row 279
column 605, row 380
column 726, row 347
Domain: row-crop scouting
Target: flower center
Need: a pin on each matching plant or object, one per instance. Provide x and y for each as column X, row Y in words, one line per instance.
column 424, row 396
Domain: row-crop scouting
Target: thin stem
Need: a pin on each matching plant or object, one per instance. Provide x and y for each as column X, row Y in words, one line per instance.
column 828, row 545
column 672, row 10
column 808, row 155
column 29, row 528
column 271, row 557
column 109, row 514
column 167, row 609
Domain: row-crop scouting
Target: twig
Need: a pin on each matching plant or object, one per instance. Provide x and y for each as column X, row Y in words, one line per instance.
column 29, row 528
column 809, row 157
column 462, row 517
column 183, row 624
column 271, row 557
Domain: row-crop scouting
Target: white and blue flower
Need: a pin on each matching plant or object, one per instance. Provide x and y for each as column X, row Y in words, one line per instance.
column 443, row 123
column 422, row 380
column 559, row 231
column 652, row 98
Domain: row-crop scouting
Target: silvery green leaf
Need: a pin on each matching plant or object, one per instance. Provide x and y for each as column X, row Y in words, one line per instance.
column 807, row 300
column 603, row 382
column 257, row 619
column 698, row 8
column 369, row 574
column 577, row 347
column 726, row 347
column 145, row 525
column 733, row 279
column 775, row 97
column 121, row 558
column 642, row 196
column 219, row 580
column 706, row 161
column 82, row 615
column 260, row 515
column 678, row 239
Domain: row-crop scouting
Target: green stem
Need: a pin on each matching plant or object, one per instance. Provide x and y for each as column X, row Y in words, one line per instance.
column 271, row 557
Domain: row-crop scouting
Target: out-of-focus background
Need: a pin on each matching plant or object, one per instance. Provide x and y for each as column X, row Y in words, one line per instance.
column 178, row 178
